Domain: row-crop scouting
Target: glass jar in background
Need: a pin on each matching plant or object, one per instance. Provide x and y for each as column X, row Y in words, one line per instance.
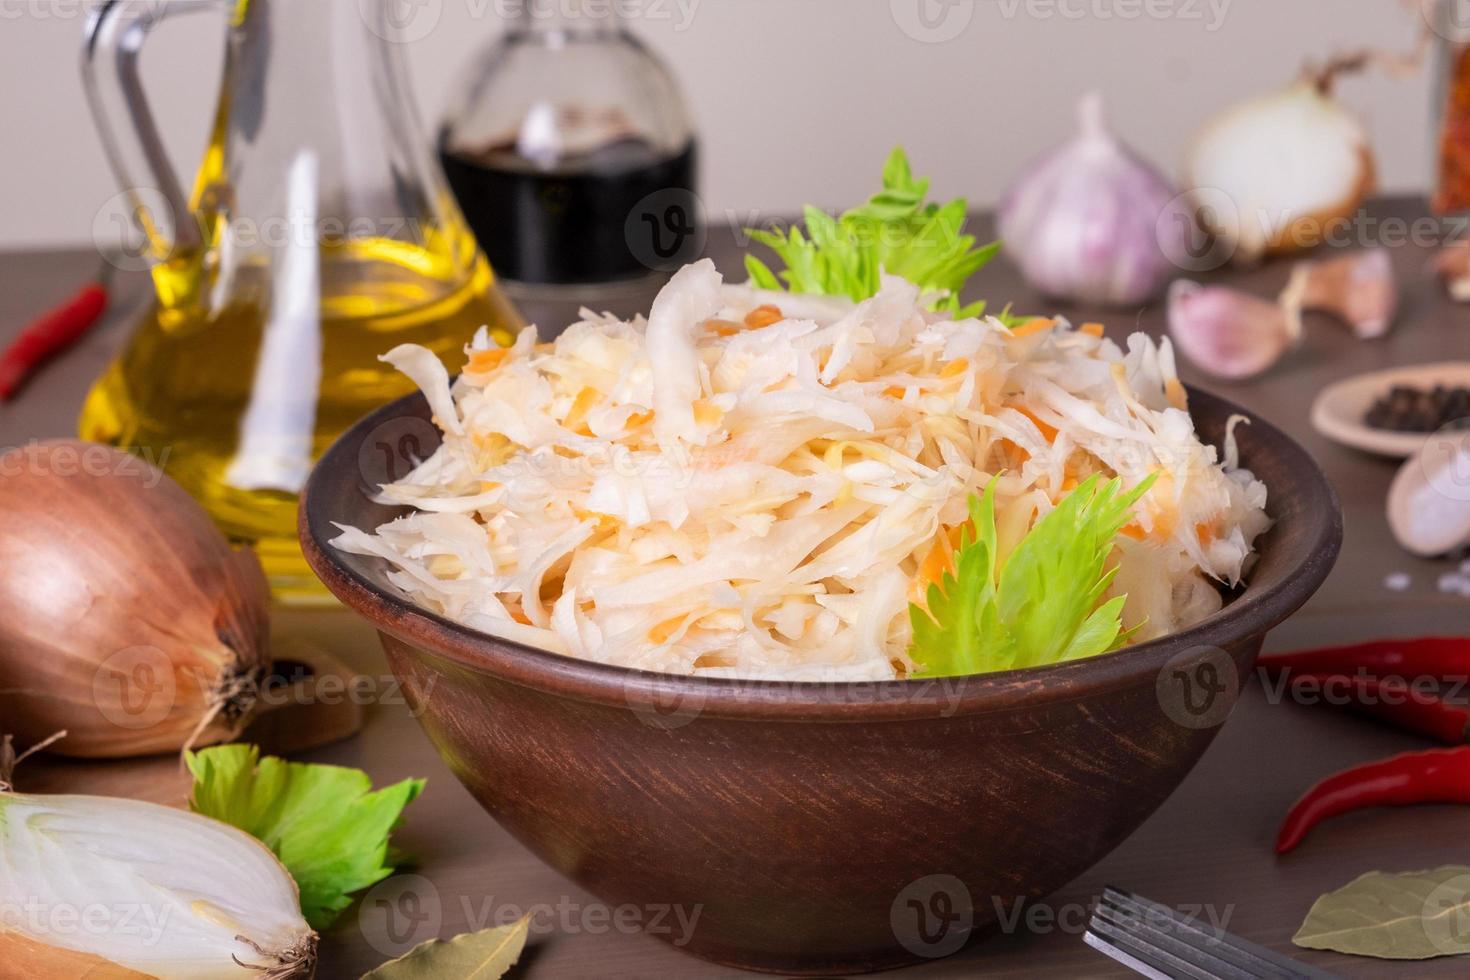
column 571, row 152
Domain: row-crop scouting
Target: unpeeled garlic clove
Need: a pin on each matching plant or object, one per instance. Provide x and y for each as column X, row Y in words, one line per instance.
column 1227, row 333
column 1358, row 289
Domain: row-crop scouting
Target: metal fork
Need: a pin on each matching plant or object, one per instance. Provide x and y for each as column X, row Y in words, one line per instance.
column 1157, row 942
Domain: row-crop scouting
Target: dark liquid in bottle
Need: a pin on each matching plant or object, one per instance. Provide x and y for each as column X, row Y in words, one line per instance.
column 618, row 212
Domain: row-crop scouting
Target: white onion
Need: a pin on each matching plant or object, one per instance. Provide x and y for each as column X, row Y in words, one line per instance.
column 1275, row 173
column 1085, row 221
column 101, row 887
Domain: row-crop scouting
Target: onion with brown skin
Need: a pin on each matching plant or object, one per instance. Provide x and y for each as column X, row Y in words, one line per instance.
column 125, row 616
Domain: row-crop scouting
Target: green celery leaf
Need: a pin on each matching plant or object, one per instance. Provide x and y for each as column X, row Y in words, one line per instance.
column 895, row 232
column 325, row 823
column 1044, row 604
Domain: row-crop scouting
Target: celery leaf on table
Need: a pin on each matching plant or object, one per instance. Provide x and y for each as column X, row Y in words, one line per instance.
column 325, row 823
column 896, row 232
column 1043, row 604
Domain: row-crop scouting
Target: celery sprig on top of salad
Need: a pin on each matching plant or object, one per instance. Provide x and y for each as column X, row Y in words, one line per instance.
column 897, row 232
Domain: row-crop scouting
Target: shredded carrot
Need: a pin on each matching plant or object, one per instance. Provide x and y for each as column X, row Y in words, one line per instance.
column 1048, row 432
column 722, row 328
column 1091, row 329
column 707, row 413
column 764, row 316
column 1038, row 325
column 894, row 391
column 1135, row 531
column 660, row 632
column 938, row 561
column 1205, row 533
column 955, row 368
column 639, row 419
column 485, row 361
column 576, row 419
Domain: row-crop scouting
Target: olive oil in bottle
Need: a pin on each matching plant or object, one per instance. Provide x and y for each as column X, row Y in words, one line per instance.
column 187, row 386
column 319, row 235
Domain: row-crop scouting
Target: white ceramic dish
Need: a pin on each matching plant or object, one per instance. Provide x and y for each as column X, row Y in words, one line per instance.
column 1339, row 409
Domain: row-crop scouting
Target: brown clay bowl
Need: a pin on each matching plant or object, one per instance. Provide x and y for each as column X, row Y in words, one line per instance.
column 822, row 828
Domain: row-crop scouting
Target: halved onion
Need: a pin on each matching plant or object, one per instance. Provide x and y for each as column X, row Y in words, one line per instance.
column 1278, row 173
column 100, row 887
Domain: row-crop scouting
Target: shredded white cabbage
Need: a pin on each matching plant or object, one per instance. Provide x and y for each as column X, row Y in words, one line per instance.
column 755, row 484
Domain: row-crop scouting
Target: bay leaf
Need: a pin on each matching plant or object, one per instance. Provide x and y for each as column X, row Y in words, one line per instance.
column 1413, row 916
column 484, row 955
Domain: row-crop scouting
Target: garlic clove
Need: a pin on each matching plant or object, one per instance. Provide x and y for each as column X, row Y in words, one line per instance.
column 1275, row 173
column 1227, row 333
column 1453, row 266
column 1359, row 289
column 1083, row 222
column 122, row 888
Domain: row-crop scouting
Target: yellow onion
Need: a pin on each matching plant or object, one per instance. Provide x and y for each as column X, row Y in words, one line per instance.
column 114, row 889
column 125, row 616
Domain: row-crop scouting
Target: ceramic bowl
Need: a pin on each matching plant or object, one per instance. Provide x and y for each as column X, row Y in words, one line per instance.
column 821, row 828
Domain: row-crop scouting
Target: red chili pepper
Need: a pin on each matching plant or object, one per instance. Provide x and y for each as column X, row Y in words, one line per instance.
column 52, row 333
column 1440, row 657
column 1392, row 699
column 1431, row 776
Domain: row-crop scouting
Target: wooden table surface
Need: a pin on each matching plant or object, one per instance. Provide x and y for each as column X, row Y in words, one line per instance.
column 1208, row 847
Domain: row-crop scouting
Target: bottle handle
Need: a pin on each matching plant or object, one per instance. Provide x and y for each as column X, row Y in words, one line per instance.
column 115, row 33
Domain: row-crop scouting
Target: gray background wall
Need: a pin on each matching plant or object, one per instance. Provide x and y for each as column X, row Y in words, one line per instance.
column 797, row 100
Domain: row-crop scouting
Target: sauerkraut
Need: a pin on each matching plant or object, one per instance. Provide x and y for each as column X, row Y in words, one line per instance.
column 753, row 484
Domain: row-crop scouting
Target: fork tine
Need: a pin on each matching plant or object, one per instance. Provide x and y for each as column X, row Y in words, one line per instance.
column 1138, row 932
column 1160, row 925
column 1165, row 960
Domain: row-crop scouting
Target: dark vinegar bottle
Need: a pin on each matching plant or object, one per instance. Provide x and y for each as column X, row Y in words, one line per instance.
column 571, row 153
